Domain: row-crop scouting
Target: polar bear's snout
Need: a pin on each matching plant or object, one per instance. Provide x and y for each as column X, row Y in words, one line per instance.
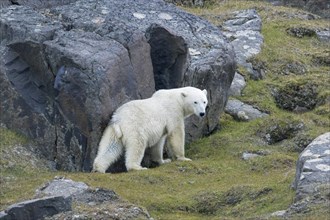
column 202, row 114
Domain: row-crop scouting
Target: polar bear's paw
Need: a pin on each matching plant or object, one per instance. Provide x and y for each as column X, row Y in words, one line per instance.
column 167, row 161
column 183, row 159
column 136, row 167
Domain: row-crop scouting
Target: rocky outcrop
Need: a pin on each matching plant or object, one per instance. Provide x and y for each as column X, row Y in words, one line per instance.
column 312, row 179
column 313, row 167
column 36, row 209
column 55, row 200
column 35, row 3
column 65, row 69
column 243, row 29
column 237, row 85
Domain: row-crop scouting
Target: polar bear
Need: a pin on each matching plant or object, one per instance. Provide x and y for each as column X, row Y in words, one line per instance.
column 140, row 124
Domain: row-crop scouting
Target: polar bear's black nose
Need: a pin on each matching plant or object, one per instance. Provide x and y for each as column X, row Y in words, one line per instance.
column 201, row 114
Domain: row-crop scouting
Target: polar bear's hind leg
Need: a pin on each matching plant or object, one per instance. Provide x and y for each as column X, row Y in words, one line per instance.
column 134, row 155
column 157, row 151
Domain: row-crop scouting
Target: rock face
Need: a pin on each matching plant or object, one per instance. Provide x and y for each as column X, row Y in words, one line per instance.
column 313, row 167
column 65, row 69
column 312, row 179
column 54, row 201
column 35, row 3
column 237, row 85
column 36, row 208
column 243, row 29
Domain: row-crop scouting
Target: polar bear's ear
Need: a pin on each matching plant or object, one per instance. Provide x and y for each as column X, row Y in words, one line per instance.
column 205, row 92
column 183, row 94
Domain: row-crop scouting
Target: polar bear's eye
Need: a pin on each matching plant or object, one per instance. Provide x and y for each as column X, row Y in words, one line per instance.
column 204, row 102
column 195, row 103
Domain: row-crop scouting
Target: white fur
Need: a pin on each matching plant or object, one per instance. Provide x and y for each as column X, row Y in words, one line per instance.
column 144, row 123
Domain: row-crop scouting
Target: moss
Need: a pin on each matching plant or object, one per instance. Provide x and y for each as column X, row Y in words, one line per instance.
column 10, row 138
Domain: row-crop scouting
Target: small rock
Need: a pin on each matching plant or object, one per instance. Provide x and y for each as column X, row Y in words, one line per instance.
column 278, row 213
column 62, row 187
column 237, row 85
column 241, row 115
column 243, row 112
column 323, row 35
column 248, row 156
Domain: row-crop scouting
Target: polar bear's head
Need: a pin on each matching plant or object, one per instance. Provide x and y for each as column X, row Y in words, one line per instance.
column 195, row 101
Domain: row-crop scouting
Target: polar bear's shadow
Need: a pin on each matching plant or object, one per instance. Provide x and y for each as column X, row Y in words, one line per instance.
column 119, row 166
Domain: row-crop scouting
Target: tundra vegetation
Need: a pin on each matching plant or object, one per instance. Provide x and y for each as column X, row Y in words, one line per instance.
column 218, row 183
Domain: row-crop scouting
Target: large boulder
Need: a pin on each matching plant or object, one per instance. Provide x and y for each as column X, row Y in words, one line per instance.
column 65, row 69
column 243, row 28
column 313, row 167
column 55, row 200
column 312, row 181
column 36, row 208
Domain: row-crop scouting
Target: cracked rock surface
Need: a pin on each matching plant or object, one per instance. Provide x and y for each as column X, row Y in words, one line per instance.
column 243, row 29
column 313, row 166
column 66, row 68
column 312, row 178
column 64, row 198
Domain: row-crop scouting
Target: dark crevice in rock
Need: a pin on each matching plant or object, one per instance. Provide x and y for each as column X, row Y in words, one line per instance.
column 14, row 2
column 169, row 57
column 24, row 78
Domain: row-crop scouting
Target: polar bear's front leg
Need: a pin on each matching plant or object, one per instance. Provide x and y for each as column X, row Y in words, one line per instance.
column 176, row 139
column 134, row 155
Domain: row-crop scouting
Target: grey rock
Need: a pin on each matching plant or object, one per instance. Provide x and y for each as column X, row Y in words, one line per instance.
column 62, row 187
column 237, row 85
column 35, row 3
column 312, row 178
column 37, row 208
column 248, row 156
column 243, row 30
column 54, row 201
column 101, row 203
column 323, row 35
column 243, row 112
column 280, row 213
column 314, row 160
column 65, row 69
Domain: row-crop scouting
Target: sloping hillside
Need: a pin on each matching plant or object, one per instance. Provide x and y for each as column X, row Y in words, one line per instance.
column 218, row 183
